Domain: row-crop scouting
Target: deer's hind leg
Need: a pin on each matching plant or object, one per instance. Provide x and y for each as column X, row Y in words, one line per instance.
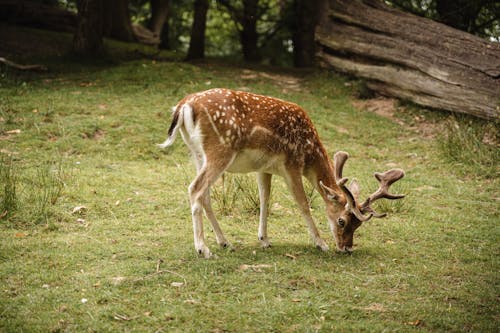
column 199, row 192
column 219, row 235
column 198, row 156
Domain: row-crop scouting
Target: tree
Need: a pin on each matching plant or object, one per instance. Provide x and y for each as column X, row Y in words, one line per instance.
column 248, row 34
column 304, row 23
column 116, row 18
column 87, row 40
column 159, row 14
column 406, row 56
column 197, row 42
column 246, row 18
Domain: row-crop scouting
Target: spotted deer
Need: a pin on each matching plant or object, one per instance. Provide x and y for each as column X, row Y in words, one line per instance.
column 240, row 132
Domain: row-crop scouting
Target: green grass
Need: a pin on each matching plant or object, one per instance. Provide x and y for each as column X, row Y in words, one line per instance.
column 127, row 262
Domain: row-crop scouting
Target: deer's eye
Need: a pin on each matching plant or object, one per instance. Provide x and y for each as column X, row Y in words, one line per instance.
column 341, row 222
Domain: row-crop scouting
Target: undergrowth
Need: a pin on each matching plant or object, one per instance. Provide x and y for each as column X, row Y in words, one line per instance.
column 472, row 146
column 30, row 193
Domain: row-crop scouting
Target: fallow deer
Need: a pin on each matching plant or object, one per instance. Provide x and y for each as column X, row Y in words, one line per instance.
column 241, row 132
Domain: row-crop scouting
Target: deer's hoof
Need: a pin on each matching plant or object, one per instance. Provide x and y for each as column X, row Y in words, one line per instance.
column 204, row 251
column 320, row 244
column 264, row 242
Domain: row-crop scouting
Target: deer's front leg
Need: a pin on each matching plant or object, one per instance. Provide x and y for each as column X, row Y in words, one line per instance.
column 264, row 183
column 294, row 181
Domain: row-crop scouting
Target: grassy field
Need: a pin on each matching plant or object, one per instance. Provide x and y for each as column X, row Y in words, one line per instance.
column 96, row 231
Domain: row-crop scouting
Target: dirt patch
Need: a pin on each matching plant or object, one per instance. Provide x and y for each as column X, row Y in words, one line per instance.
column 382, row 106
column 286, row 82
column 388, row 108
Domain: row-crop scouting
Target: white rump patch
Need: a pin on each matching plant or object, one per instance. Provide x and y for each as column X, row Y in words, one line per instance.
column 185, row 113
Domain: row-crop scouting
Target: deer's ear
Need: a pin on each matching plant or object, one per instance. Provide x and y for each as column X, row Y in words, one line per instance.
column 330, row 194
column 354, row 188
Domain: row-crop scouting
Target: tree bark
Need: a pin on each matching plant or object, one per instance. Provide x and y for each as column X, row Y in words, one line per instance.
column 116, row 18
column 410, row 57
column 248, row 35
column 197, row 42
column 159, row 14
column 306, row 18
column 87, row 40
column 165, row 36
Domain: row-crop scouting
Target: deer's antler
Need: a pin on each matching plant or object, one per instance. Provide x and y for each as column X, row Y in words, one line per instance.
column 338, row 164
column 385, row 179
column 339, row 160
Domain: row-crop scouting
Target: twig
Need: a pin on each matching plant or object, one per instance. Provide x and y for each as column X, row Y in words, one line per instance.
column 23, row 67
column 158, row 265
column 161, row 272
column 158, row 272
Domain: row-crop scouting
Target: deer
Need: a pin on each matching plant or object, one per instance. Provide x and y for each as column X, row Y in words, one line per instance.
column 241, row 132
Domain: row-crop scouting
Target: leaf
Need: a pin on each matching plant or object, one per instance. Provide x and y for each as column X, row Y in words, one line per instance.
column 415, row 323
column 20, row 235
column 177, row 284
column 121, row 317
column 375, row 307
column 255, row 268
column 79, row 210
column 118, row 279
column 16, row 131
column 191, row 301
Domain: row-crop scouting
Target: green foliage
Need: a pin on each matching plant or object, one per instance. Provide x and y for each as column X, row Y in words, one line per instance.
column 479, row 17
column 8, row 177
column 236, row 194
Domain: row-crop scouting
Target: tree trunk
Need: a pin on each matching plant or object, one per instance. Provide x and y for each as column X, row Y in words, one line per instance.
column 87, row 40
column 117, row 22
column 248, row 36
column 197, row 42
column 165, row 36
column 159, row 14
column 306, row 17
column 410, row 57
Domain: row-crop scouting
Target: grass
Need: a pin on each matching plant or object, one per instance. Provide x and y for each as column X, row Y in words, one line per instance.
column 84, row 136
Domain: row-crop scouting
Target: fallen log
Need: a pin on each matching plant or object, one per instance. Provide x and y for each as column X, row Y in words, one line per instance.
column 38, row 15
column 410, row 57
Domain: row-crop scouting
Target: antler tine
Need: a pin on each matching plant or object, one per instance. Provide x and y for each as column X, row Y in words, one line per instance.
column 338, row 164
column 385, row 179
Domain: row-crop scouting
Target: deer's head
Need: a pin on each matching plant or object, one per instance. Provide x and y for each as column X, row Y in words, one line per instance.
column 349, row 212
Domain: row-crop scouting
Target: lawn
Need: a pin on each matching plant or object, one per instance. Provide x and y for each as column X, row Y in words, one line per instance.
column 96, row 230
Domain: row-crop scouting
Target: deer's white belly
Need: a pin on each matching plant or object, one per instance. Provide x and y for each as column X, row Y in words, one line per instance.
column 253, row 160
